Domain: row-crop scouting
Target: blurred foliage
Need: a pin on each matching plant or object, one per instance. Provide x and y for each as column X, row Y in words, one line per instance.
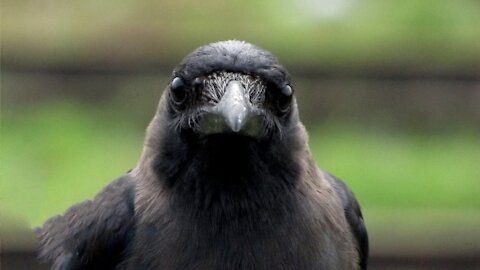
column 409, row 35
column 58, row 154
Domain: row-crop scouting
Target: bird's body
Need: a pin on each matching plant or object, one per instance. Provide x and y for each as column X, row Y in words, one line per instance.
column 226, row 181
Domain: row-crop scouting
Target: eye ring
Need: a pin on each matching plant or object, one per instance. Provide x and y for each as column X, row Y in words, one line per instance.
column 178, row 90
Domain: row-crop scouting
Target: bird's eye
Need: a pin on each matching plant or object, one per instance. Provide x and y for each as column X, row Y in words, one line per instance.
column 178, row 90
column 285, row 98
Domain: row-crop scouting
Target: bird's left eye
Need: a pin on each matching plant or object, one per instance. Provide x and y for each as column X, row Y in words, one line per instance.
column 285, row 98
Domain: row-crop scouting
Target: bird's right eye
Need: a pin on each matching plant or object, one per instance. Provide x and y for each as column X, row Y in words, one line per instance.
column 178, row 90
column 285, row 99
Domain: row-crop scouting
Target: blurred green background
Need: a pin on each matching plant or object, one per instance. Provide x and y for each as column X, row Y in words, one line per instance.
column 389, row 91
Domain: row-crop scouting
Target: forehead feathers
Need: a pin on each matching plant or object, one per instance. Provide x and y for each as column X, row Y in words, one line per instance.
column 232, row 56
column 216, row 83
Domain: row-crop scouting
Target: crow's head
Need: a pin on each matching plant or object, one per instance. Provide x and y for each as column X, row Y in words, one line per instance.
column 228, row 109
column 230, row 88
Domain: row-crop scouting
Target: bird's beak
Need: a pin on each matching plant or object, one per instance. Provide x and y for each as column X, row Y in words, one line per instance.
column 233, row 114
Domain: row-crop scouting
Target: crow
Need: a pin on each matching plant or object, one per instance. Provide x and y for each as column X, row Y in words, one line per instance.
column 226, row 180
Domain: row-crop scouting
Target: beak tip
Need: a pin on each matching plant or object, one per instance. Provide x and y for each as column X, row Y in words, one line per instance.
column 236, row 125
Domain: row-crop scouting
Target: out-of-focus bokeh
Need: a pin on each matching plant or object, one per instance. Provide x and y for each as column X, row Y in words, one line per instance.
column 389, row 91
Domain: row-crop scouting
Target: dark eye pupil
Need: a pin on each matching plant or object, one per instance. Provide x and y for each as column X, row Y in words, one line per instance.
column 285, row 98
column 179, row 93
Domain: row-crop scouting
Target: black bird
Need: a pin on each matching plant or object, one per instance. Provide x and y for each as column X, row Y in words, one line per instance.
column 225, row 181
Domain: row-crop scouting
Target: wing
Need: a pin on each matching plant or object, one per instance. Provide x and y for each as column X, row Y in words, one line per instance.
column 354, row 218
column 92, row 234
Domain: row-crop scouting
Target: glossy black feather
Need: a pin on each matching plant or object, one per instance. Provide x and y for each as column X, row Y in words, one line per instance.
column 354, row 217
column 232, row 56
column 93, row 234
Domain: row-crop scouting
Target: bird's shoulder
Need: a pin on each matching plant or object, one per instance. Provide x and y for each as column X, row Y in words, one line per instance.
column 93, row 228
column 354, row 217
